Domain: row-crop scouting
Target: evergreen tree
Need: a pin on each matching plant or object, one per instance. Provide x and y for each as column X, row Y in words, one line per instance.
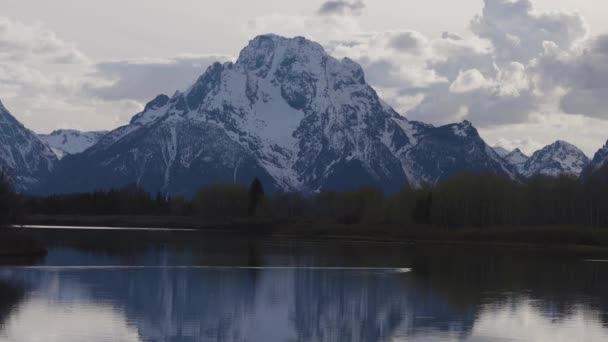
column 256, row 193
column 8, row 200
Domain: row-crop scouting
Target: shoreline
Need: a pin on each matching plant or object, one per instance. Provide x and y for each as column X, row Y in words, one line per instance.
column 16, row 244
column 552, row 238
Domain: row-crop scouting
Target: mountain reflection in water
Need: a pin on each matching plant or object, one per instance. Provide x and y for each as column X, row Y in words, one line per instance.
column 452, row 294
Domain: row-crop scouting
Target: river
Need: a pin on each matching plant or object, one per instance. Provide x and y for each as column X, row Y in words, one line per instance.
column 102, row 285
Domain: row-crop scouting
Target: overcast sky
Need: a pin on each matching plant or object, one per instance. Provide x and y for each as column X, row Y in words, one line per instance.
column 526, row 73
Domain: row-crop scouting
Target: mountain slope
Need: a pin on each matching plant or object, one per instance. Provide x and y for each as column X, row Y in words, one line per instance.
column 286, row 112
column 22, row 154
column 440, row 152
column 69, row 141
column 517, row 159
column 597, row 164
column 501, row 151
column 556, row 159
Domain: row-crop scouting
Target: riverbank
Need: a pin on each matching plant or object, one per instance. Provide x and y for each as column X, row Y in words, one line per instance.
column 14, row 244
column 577, row 239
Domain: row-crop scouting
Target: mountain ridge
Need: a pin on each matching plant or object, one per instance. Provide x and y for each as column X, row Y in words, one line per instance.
column 71, row 141
column 285, row 112
column 23, row 155
column 555, row 159
column 597, row 164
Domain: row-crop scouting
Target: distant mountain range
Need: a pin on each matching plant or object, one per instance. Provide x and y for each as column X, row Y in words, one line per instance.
column 285, row 112
column 70, row 141
column 556, row 159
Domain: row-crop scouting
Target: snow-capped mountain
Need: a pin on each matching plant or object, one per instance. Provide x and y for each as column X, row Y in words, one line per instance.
column 556, row 159
column 517, row 159
column 598, row 163
column 23, row 156
column 287, row 113
column 501, row 151
column 70, row 141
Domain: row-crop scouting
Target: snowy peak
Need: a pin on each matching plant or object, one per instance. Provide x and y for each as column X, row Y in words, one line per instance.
column 464, row 129
column 70, row 141
column 288, row 113
column 154, row 106
column 556, row 159
column 517, row 158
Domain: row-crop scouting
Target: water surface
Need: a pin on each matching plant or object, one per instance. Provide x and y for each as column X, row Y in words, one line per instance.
column 107, row 285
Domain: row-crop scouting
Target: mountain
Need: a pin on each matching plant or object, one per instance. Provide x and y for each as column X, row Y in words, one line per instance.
column 501, row 151
column 555, row 159
column 285, row 112
column 517, row 159
column 26, row 159
column 597, row 164
column 69, row 141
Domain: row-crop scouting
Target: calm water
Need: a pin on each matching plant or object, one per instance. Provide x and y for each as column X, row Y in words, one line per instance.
column 159, row 286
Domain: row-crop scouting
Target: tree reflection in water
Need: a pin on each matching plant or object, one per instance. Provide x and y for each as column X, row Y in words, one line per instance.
column 451, row 294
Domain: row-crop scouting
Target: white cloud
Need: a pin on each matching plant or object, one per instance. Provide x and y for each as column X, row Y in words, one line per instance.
column 48, row 83
column 470, row 80
column 341, row 7
column 318, row 28
column 19, row 42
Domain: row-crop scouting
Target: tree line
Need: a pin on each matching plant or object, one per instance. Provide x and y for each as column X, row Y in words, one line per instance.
column 467, row 200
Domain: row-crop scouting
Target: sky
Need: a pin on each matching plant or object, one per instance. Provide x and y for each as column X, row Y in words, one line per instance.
column 524, row 72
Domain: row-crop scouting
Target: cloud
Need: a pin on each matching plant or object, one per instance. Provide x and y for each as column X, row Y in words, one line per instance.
column 591, row 102
column 518, row 33
column 517, row 63
column 141, row 79
column 341, row 7
column 516, row 70
column 48, row 83
column 408, row 42
column 322, row 29
column 444, row 79
column 583, row 73
column 19, row 42
column 470, row 80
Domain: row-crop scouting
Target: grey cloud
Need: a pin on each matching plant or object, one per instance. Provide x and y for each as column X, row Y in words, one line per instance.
column 515, row 75
column 463, row 58
column 448, row 35
column 383, row 73
column 483, row 107
column 341, row 7
column 518, row 33
column 141, row 80
column 583, row 75
column 590, row 102
column 407, row 42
